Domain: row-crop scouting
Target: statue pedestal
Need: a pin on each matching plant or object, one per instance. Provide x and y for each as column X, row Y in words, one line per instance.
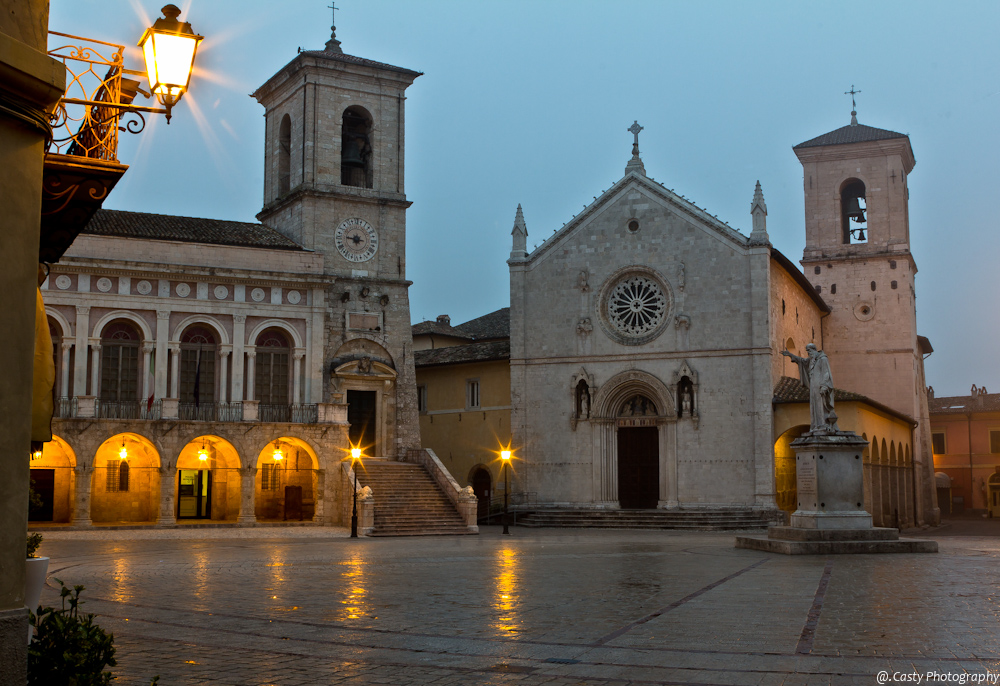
column 831, row 519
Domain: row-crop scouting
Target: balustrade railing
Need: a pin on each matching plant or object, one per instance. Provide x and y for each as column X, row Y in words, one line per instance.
column 65, row 408
column 305, row 414
column 129, row 409
column 229, row 412
column 210, row 412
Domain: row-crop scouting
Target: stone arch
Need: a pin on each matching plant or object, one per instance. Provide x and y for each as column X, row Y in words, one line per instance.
column 57, row 316
column 892, row 454
column 206, row 319
column 481, row 480
column 144, row 331
column 356, row 147
column 853, row 195
column 53, row 480
column 619, row 388
column 217, row 476
column 132, row 498
column 298, row 467
column 275, row 324
column 785, row 484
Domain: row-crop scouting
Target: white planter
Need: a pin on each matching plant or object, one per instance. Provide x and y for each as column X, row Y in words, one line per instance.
column 35, row 571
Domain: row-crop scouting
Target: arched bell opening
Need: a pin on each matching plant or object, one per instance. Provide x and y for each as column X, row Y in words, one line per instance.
column 356, row 148
column 284, row 155
column 126, row 481
column 287, row 483
column 853, row 212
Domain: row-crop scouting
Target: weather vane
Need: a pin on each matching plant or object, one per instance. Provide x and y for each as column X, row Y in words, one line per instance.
column 852, row 93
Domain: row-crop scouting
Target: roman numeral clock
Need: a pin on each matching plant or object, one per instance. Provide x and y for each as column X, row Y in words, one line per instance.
column 356, row 240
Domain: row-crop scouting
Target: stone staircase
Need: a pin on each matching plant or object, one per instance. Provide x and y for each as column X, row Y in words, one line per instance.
column 408, row 502
column 696, row 520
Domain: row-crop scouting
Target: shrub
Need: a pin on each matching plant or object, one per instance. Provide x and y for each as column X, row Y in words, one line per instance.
column 34, row 540
column 69, row 649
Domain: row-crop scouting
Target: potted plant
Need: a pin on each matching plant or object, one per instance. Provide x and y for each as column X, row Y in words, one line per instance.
column 35, row 571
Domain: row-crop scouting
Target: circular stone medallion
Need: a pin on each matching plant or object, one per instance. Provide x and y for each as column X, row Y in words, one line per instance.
column 864, row 311
column 183, row 290
column 221, row 292
column 294, row 297
column 63, row 282
column 104, row 284
column 144, row 287
column 257, row 294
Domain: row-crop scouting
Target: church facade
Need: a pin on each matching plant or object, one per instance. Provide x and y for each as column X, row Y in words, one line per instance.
column 646, row 339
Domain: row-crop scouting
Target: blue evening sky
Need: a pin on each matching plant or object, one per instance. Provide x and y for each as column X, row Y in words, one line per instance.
column 529, row 102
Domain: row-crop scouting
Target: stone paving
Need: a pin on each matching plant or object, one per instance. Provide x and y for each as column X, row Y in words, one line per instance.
column 552, row 607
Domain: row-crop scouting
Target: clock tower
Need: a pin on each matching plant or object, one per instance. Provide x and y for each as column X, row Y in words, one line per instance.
column 333, row 182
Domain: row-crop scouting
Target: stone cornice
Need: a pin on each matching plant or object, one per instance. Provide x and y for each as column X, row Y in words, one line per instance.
column 362, row 195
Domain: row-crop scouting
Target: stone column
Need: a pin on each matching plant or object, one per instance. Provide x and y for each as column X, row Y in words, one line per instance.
column 168, row 511
column 297, row 356
column 175, row 370
column 247, row 487
column 162, row 351
column 80, row 364
column 224, row 374
column 239, row 334
column 251, row 368
column 81, row 496
column 319, row 497
column 95, row 367
column 64, row 390
column 147, row 353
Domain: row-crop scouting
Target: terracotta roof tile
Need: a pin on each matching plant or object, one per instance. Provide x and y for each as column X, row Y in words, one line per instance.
column 493, row 325
column 791, row 390
column 852, row 133
column 962, row 404
column 484, row 351
column 165, row 227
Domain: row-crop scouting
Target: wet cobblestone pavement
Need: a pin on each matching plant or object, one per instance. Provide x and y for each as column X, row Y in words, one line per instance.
column 552, row 607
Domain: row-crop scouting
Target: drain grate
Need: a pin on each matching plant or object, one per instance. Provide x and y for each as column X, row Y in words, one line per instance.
column 563, row 660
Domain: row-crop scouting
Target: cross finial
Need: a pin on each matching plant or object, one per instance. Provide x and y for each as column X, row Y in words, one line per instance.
column 333, row 6
column 333, row 45
column 634, row 130
column 854, row 106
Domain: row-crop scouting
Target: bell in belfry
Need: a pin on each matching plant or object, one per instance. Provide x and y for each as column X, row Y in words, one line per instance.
column 352, row 151
column 854, row 210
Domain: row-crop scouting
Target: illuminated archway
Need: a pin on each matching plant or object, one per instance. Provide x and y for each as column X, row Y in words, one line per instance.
column 784, row 469
column 286, row 482
column 53, row 481
column 208, row 480
column 126, row 481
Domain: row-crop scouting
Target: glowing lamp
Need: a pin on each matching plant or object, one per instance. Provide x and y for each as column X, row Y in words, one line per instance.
column 203, row 453
column 123, row 454
column 504, row 454
column 355, row 453
column 37, row 455
column 278, row 455
column 169, row 48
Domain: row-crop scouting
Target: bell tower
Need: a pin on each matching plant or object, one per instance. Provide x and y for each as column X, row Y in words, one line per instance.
column 857, row 255
column 333, row 182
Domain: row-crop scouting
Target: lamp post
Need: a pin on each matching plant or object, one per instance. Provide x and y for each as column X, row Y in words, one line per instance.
column 169, row 48
column 355, row 456
column 505, row 466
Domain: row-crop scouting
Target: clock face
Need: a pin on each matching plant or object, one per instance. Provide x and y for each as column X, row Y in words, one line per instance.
column 356, row 240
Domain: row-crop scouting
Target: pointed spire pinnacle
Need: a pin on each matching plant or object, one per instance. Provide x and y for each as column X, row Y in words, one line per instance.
column 758, row 210
column 519, row 249
column 635, row 164
column 519, row 225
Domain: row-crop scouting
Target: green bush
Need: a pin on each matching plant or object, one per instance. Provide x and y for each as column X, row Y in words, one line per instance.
column 34, row 540
column 69, row 649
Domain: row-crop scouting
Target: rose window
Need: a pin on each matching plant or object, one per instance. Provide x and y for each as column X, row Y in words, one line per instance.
column 637, row 305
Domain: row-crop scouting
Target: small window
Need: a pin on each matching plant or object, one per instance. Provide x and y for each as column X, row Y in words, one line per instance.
column 269, row 477
column 472, row 394
column 112, row 482
column 422, row 399
column 937, row 442
column 995, row 441
column 633, row 226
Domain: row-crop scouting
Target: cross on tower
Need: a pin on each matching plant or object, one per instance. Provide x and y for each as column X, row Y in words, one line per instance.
column 333, row 6
column 852, row 93
column 634, row 130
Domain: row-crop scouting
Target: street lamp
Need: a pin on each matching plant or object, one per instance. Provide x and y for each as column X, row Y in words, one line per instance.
column 123, row 454
column 355, row 456
column 505, row 466
column 169, row 47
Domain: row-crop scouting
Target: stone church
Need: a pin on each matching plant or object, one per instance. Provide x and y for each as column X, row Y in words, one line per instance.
column 645, row 341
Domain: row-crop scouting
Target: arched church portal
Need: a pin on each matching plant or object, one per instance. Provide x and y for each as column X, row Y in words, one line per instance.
column 638, row 454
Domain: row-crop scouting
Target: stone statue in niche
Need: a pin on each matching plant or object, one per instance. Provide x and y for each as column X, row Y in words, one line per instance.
column 814, row 374
column 365, row 365
column 582, row 400
column 582, row 281
column 680, row 277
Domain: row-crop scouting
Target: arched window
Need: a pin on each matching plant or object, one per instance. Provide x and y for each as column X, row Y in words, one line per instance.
column 356, row 148
column 284, row 154
column 271, row 376
column 55, row 333
column 198, row 354
column 853, row 212
column 119, row 362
